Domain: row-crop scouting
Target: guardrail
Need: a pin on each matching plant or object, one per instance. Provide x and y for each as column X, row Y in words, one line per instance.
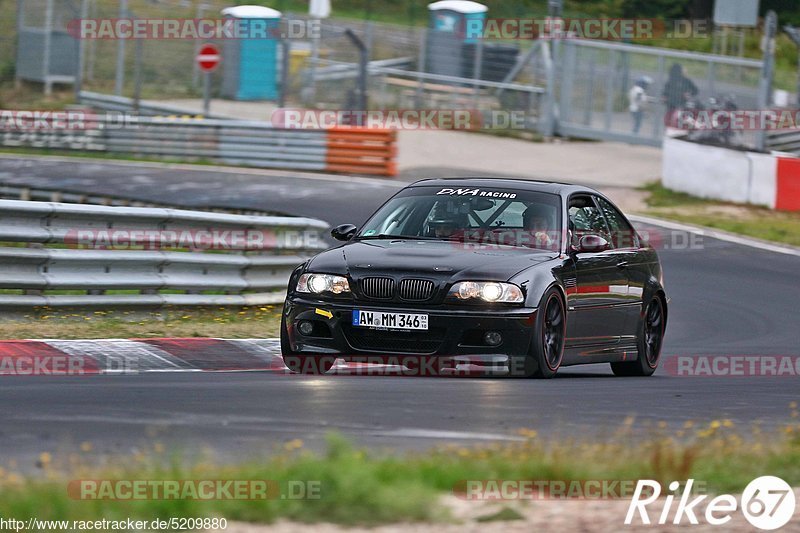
column 230, row 142
column 122, row 104
column 146, row 257
column 249, row 143
column 784, row 141
column 340, row 70
column 12, row 191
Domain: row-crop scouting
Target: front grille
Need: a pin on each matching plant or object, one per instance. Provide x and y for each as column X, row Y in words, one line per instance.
column 417, row 342
column 416, row 290
column 379, row 288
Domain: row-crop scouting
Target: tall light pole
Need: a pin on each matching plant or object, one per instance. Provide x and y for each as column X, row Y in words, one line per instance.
column 119, row 81
column 794, row 35
column 765, row 83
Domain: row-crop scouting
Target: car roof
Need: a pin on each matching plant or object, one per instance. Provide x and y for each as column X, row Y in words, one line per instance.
column 506, row 183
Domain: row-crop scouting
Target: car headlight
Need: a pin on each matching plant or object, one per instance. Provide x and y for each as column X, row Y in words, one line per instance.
column 488, row 291
column 319, row 283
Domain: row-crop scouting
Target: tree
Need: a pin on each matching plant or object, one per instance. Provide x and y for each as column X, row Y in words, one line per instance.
column 787, row 11
column 665, row 9
column 701, row 9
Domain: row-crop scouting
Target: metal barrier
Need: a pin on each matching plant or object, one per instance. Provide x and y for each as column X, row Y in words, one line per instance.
column 233, row 142
column 261, row 254
column 226, row 141
column 12, row 191
column 121, row 104
column 784, row 141
column 360, row 151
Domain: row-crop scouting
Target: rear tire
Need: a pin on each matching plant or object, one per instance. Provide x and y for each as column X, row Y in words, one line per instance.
column 649, row 342
column 549, row 334
column 302, row 364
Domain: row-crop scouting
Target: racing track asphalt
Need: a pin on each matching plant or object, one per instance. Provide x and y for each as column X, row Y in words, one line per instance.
column 727, row 299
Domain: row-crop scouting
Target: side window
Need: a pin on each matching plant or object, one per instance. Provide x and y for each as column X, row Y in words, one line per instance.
column 622, row 234
column 394, row 222
column 585, row 218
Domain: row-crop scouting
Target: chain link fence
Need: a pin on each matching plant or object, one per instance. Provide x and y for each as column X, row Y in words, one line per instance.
column 416, row 68
column 580, row 88
column 166, row 68
column 598, row 91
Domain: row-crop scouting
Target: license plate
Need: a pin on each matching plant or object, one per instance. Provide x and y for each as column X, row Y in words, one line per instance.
column 380, row 319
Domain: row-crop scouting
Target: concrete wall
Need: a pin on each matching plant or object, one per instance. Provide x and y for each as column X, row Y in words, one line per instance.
column 771, row 180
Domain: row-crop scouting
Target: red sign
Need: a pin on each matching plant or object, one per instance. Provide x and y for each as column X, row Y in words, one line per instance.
column 209, row 57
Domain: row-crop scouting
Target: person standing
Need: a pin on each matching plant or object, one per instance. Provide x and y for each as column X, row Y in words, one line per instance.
column 637, row 98
column 677, row 92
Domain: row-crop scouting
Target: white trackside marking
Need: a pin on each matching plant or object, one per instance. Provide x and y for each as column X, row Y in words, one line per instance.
column 436, row 434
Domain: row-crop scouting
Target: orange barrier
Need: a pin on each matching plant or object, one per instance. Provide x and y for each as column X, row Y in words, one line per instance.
column 362, row 151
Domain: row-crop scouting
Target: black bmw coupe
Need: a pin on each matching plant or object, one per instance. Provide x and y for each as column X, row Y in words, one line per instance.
column 515, row 276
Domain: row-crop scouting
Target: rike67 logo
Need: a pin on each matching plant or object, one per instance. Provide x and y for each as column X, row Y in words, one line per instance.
column 767, row 502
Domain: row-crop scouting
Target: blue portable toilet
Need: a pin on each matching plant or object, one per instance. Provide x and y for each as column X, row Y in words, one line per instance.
column 250, row 65
column 454, row 24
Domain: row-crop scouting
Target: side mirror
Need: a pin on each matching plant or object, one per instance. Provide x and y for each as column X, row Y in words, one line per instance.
column 345, row 232
column 591, row 244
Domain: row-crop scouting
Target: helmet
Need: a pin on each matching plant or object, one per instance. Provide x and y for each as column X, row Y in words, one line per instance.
column 644, row 81
column 446, row 215
column 539, row 211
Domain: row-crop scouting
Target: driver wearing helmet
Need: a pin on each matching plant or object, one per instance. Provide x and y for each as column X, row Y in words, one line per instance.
column 539, row 219
column 446, row 221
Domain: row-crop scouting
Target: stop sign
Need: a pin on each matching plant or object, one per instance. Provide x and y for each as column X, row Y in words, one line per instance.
column 209, row 58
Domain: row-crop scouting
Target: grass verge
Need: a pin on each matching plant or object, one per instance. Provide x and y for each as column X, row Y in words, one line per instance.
column 749, row 220
column 91, row 154
column 359, row 487
column 253, row 322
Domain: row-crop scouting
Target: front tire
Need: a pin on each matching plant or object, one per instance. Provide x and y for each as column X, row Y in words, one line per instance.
column 550, row 331
column 649, row 342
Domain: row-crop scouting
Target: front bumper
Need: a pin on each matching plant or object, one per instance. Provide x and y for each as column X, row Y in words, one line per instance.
column 452, row 333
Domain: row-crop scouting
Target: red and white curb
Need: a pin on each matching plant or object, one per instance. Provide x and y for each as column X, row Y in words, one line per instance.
column 132, row 356
column 125, row 356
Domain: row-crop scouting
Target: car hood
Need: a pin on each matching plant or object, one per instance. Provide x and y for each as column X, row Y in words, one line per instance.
column 440, row 259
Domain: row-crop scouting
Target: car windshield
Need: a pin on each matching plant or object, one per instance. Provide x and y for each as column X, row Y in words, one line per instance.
column 503, row 217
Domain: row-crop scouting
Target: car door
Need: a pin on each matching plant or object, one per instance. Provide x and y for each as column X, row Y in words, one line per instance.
column 631, row 260
column 601, row 289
